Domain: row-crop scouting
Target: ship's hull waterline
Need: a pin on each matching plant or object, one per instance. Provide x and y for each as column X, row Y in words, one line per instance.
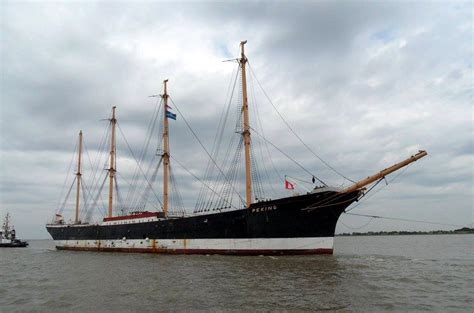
column 295, row 225
column 252, row 246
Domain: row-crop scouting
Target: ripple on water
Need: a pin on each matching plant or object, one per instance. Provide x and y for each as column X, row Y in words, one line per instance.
column 364, row 275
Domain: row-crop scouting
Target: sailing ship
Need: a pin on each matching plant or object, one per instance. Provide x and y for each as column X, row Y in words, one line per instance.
column 292, row 224
column 8, row 235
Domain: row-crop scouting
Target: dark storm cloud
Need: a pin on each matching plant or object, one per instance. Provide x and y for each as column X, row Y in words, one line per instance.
column 365, row 84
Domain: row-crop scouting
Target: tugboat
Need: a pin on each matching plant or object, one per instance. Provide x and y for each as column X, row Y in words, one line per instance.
column 8, row 236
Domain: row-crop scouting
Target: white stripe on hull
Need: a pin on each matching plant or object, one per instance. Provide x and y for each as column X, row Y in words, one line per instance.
column 321, row 244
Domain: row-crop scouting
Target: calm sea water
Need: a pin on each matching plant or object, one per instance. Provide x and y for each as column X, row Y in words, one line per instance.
column 366, row 274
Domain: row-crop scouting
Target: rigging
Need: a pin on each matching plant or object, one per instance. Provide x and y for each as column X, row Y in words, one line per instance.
column 290, row 158
column 202, row 145
column 294, row 133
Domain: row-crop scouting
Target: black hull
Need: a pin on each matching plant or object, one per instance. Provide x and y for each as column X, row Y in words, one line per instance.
column 16, row 244
column 314, row 215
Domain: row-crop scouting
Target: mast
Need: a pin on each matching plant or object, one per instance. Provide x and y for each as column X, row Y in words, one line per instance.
column 78, row 178
column 246, row 126
column 364, row 182
column 113, row 121
column 166, row 155
column 6, row 225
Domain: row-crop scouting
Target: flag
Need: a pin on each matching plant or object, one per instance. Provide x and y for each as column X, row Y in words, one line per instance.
column 168, row 107
column 170, row 115
column 289, row 185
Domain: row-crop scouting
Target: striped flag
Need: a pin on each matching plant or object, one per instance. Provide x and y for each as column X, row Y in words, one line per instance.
column 170, row 115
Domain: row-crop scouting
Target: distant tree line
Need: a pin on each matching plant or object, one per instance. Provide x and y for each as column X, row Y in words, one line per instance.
column 464, row 230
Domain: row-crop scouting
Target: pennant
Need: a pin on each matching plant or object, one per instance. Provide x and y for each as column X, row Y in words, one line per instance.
column 168, row 107
column 170, row 115
column 289, row 185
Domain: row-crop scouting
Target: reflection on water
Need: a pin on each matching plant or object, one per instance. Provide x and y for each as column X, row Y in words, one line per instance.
column 393, row 273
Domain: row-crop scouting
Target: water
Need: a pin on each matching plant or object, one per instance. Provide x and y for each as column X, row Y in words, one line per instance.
column 366, row 274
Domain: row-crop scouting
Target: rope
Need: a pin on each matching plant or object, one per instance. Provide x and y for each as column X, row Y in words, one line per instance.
column 199, row 180
column 232, row 173
column 290, row 158
column 65, row 181
column 403, row 219
column 143, row 201
column 259, row 123
column 177, row 200
column 118, row 196
column 133, row 155
column 373, row 194
column 355, row 228
column 226, row 186
column 256, row 178
column 294, row 133
column 84, row 199
column 204, row 193
column 61, row 209
column 131, row 194
column 86, row 194
column 95, row 167
column 201, row 144
column 300, row 180
column 324, row 201
column 90, row 211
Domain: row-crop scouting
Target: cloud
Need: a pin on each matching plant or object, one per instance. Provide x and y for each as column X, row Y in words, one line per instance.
column 364, row 84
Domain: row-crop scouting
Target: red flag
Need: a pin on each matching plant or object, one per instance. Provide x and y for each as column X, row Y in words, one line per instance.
column 289, row 185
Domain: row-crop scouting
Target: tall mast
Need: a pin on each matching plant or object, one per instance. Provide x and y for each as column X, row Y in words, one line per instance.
column 6, row 224
column 166, row 155
column 113, row 121
column 78, row 178
column 246, row 128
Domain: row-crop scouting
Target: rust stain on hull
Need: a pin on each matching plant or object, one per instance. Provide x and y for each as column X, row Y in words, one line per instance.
column 199, row 251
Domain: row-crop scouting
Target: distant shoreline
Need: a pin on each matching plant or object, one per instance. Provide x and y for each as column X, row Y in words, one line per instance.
column 464, row 230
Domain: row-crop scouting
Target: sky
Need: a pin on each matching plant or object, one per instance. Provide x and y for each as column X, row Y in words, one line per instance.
column 364, row 84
